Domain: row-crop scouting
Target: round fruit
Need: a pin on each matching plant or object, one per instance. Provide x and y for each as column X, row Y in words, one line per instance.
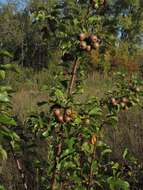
column 125, row 100
column 88, row 48
column 87, row 121
column 60, row 118
column 137, row 89
column 57, row 111
column 122, row 104
column 68, row 112
column 113, row 101
column 67, row 119
column 83, row 45
column 82, row 36
column 96, row 45
column 93, row 38
column 73, row 115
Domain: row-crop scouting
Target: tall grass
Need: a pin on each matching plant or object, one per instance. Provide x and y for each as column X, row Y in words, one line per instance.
column 28, row 86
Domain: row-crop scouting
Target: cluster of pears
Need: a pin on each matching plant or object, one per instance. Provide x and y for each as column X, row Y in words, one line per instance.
column 63, row 115
column 88, row 42
column 125, row 102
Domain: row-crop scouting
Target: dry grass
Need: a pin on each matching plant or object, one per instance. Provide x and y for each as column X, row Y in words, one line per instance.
column 25, row 101
column 27, row 93
column 129, row 132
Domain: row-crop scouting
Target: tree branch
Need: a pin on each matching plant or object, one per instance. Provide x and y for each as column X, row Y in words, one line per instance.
column 74, row 69
column 19, row 167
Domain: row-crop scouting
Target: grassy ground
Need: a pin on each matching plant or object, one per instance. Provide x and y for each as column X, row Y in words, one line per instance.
column 29, row 89
column 28, row 85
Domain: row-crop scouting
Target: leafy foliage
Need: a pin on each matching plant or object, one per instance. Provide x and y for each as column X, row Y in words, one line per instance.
column 6, row 134
column 77, row 156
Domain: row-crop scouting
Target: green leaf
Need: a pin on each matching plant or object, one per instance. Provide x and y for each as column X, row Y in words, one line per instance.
column 5, row 88
column 125, row 153
column 87, row 148
column 92, row 19
column 42, row 103
column 106, row 151
column 94, row 165
column 5, row 53
column 6, row 120
column 2, row 74
column 8, row 134
column 112, row 120
column 14, row 136
column 9, row 67
column 59, row 93
column 4, row 97
column 115, row 166
column 3, row 153
column 45, row 134
column 70, row 143
column 2, row 187
column 65, row 153
column 117, row 183
column 69, row 164
column 95, row 111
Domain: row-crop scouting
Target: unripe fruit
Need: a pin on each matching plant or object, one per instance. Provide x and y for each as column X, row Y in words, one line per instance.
column 88, row 48
column 96, row 45
column 57, row 111
column 93, row 38
column 60, row 118
column 125, row 100
column 137, row 100
column 67, row 119
column 122, row 104
column 82, row 36
column 87, row 121
column 113, row 101
column 137, row 89
column 132, row 103
column 68, row 112
column 83, row 45
column 73, row 115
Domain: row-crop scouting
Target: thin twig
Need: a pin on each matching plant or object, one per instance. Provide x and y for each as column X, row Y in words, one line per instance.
column 91, row 169
column 19, row 167
column 74, row 69
column 58, row 150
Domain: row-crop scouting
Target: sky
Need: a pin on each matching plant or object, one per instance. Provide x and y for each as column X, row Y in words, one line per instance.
column 2, row 1
column 21, row 5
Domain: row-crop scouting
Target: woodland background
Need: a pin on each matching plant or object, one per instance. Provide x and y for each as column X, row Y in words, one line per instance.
column 31, row 31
